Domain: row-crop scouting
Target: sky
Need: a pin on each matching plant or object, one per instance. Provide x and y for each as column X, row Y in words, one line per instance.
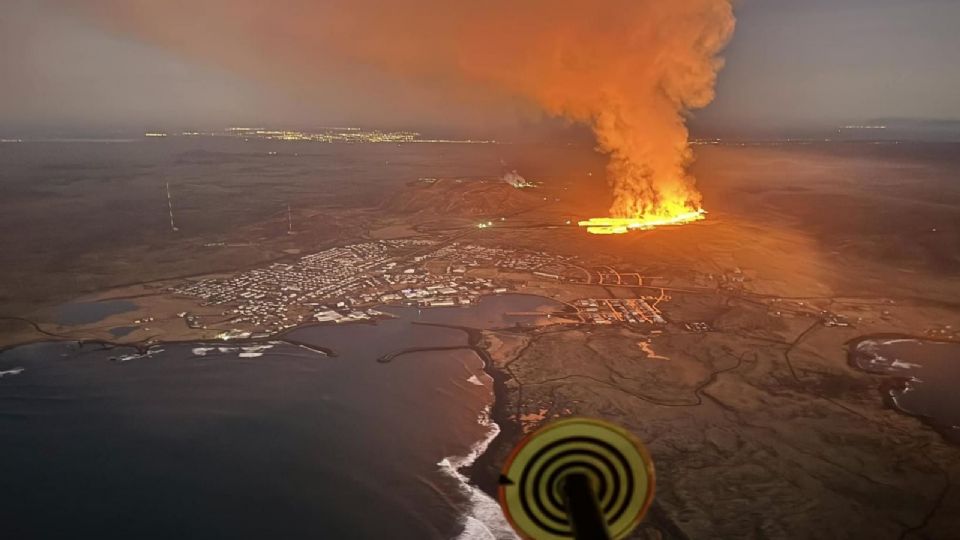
column 808, row 63
column 791, row 65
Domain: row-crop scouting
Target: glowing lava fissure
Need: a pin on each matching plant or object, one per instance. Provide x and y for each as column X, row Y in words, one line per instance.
column 612, row 225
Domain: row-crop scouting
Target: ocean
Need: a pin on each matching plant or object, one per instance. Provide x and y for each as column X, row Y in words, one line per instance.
column 255, row 440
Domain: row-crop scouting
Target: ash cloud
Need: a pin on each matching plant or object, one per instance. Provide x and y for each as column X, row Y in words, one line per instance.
column 631, row 69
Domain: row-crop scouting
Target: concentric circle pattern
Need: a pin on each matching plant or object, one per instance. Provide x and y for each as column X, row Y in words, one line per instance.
column 616, row 463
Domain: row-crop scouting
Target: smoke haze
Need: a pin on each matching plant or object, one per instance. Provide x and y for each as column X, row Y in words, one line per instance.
column 631, row 69
column 515, row 179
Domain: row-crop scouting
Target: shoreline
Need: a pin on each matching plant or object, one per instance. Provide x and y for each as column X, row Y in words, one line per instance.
column 892, row 383
column 460, row 432
column 478, row 470
column 86, row 333
column 483, row 472
column 143, row 346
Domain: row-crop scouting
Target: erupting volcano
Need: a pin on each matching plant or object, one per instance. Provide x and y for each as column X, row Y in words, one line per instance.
column 630, row 69
column 611, row 225
column 640, row 120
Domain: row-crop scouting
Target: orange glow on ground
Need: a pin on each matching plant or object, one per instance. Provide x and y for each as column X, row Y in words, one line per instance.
column 611, row 225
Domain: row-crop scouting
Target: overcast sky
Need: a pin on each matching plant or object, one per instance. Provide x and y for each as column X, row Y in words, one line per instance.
column 814, row 62
column 792, row 63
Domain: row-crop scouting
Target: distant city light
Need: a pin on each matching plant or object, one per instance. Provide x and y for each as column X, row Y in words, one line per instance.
column 327, row 135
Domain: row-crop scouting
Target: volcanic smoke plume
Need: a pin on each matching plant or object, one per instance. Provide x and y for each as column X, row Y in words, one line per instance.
column 631, row 69
column 514, row 179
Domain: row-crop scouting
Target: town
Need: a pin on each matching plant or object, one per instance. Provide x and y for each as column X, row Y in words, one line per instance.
column 346, row 284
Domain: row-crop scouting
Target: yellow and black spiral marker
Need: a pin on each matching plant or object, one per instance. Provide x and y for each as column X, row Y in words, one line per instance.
column 577, row 478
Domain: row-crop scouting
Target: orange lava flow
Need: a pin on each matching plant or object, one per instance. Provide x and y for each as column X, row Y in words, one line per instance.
column 612, row 225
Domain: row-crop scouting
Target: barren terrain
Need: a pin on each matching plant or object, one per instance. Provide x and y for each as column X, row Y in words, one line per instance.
column 758, row 425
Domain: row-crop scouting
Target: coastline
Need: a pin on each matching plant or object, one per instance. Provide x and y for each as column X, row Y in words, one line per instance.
column 484, row 472
column 209, row 388
column 480, row 470
column 894, row 385
column 477, row 472
column 143, row 346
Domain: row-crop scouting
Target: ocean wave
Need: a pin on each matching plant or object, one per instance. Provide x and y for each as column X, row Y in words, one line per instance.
column 485, row 520
column 244, row 351
column 871, row 351
column 254, row 351
column 136, row 356
column 11, row 372
column 901, row 340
